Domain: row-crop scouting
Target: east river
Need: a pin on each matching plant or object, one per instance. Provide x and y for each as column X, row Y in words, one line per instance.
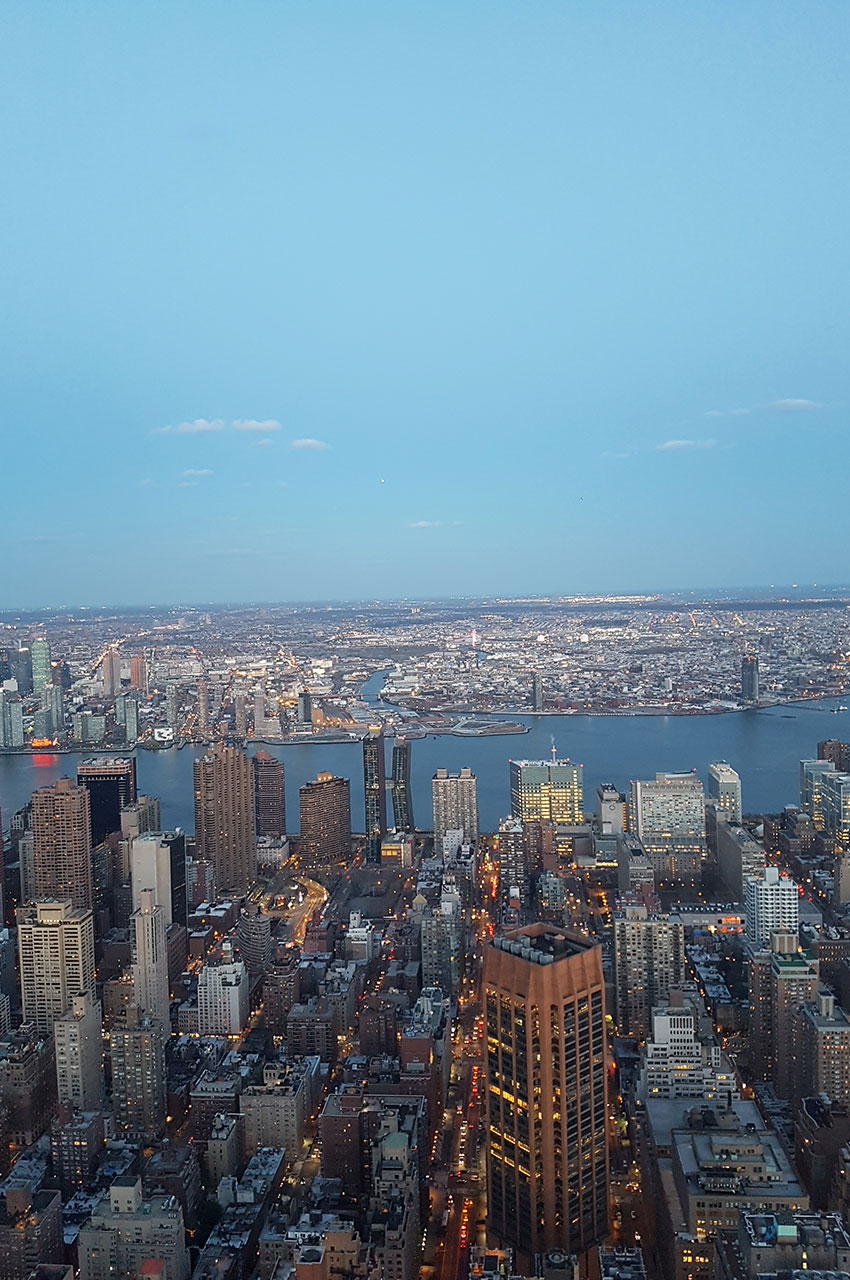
column 764, row 746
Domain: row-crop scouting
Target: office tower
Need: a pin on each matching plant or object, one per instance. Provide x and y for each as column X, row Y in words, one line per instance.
column 305, row 709
column 739, row 858
column 835, row 807
column 649, row 963
column 794, row 981
column 375, row 793
column 668, row 817
column 240, row 715
column 750, row 679
column 610, row 810
column 111, row 784
column 269, row 796
column 110, row 673
column 42, row 670
column 139, row 672
column 22, row 669
column 402, row 795
column 137, row 1055
column 547, row 1150
column 62, row 843
column 510, row 855
column 56, row 952
column 223, row 995
column 537, row 691
column 455, row 805
column 79, row 1054
column 158, row 862
column 203, row 706
column 547, row 789
column 149, row 958
column 172, row 705
column 225, row 830
column 131, row 720
column 254, row 937
column 812, row 773
column 325, row 820
column 724, row 786
column 11, row 720
column 771, row 902
column 442, row 943
column 129, row 1235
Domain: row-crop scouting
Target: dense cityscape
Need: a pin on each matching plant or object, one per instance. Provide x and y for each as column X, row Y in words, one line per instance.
column 610, row 1038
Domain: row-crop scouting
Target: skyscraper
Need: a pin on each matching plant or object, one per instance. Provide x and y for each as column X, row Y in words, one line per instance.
column 137, row 1055
column 537, row 691
column 269, row 798
column 402, row 797
column 149, row 958
column 111, row 784
column 325, row 821
column 62, row 843
column 110, row 668
column 547, row 1149
column 750, row 679
column 649, row 963
column 812, row 774
column 225, row 826
column 771, row 902
column 668, row 817
column 455, row 802
column 240, row 714
column 203, row 706
column 837, row 752
column 305, row 709
column 724, row 786
column 546, row 789
column 42, row 670
column 139, row 672
column 79, row 1054
column 375, row 793
column 56, row 953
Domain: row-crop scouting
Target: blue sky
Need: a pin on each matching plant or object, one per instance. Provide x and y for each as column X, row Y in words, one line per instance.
column 506, row 297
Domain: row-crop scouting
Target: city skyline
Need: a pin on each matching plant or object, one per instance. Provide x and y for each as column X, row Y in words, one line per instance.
column 295, row 285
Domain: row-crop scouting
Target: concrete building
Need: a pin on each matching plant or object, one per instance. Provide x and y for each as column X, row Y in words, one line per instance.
column 668, row 817
column 739, row 857
column 149, row 958
column 79, row 1054
column 549, row 790
column 823, row 1051
column 325, row 809
column 649, row 963
column 56, row 954
column 547, row 1149
column 125, row 1231
column 610, row 810
column 158, row 862
column 254, row 937
column 223, row 995
column 30, row 1231
column 225, row 825
column 771, row 902
column 275, row 1113
column 62, row 843
column 375, row 794
column 269, row 795
column 454, row 798
column 724, row 787
column 137, row 1055
column 681, row 1060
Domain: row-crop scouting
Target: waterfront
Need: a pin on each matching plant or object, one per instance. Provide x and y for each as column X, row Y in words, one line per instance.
column 764, row 746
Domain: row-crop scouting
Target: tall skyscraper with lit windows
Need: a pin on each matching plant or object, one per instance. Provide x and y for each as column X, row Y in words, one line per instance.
column 550, row 790
column 225, row 823
column 375, row 793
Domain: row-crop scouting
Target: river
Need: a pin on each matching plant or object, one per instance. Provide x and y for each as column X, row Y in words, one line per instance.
column 764, row 746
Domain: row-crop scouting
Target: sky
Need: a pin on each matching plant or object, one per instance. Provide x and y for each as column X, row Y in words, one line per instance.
column 380, row 300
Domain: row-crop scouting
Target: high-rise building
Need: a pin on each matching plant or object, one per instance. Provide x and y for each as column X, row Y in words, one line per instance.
column 442, row 939
column 42, row 670
column 131, row 720
column 56, row 952
column 455, row 804
column 649, row 963
column 269, row 798
column 305, row 709
column 550, row 790
column 325, row 819
column 30, row 1231
column 375, row 793
column 56, row 709
column 79, row 1054
column 794, row 981
column 402, row 796
column 724, row 786
column 739, row 857
column 547, row 1149
column 141, row 816
column 750, row 679
column 835, row 807
column 812, row 773
column 610, row 810
column 510, row 855
column 111, row 784
column 823, row 1037
column 537, row 691
column 254, row 935
column 680, row 1062
column 110, row 668
column 668, row 817
column 62, row 843
column 836, row 752
column 225, row 827
column 139, row 672
column 11, row 719
column 172, row 704
column 137, row 1056
column 203, row 706
column 158, row 862
column 771, row 902
column 223, row 995
column 149, row 958
column 128, row 1235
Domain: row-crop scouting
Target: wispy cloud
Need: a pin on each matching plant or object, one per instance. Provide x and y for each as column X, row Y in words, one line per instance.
column 254, row 424
column 266, row 441
column 197, row 471
column 191, row 428
column 426, row 524
column 727, row 413
column 308, row 443
column 669, row 445
column 796, row 406
column 188, row 484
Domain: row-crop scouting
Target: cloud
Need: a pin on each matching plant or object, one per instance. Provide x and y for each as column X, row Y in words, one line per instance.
column 727, row 413
column 254, row 424
column 426, row 524
column 268, row 440
column 308, row 443
column 190, row 428
column 795, row 406
column 669, row 445
column 197, row 471
column 188, row 484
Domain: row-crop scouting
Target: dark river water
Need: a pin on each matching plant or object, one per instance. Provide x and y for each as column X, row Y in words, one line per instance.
column 764, row 746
